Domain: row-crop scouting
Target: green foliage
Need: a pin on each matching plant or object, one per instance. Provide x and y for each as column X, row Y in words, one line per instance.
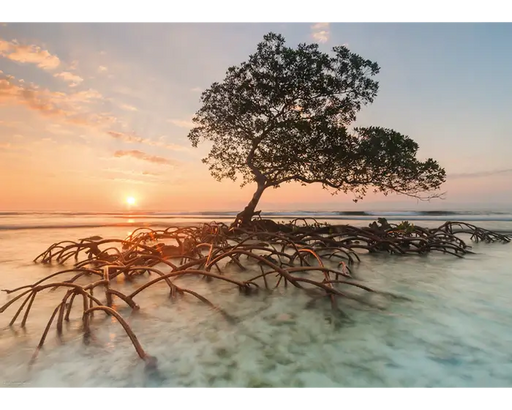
column 406, row 227
column 283, row 116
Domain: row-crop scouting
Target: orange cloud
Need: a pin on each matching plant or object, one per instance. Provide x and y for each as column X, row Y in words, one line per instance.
column 128, row 107
column 71, row 108
column 85, row 96
column 134, row 139
column 125, row 137
column 152, row 174
column 31, row 54
column 70, row 78
column 31, row 98
column 144, row 157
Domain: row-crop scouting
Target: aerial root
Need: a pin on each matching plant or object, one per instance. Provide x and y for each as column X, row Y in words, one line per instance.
column 287, row 254
column 138, row 348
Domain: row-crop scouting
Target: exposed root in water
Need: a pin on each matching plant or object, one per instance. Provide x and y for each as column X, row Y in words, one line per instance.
column 286, row 254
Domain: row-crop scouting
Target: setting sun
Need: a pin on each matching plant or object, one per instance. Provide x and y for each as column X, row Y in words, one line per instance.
column 130, row 200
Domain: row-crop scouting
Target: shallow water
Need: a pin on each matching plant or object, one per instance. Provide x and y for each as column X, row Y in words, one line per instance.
column 456, row 331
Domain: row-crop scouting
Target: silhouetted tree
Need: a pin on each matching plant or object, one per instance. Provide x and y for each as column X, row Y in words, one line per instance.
column 282, row 116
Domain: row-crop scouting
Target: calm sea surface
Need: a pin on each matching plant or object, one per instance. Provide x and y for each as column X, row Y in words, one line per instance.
column 456, row 331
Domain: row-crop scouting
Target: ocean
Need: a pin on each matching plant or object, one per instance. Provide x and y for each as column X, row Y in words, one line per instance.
column 455, row 331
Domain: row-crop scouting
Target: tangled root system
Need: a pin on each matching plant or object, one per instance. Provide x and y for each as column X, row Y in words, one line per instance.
column 291, row 254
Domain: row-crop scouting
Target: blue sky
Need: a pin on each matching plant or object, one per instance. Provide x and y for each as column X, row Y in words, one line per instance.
column 122, row 96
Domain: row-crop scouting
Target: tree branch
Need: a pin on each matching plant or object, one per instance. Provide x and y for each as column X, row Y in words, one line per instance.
column 260, row 177
column 301, row 178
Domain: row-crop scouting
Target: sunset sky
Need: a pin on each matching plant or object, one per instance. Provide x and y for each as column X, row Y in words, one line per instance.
column 91, row 114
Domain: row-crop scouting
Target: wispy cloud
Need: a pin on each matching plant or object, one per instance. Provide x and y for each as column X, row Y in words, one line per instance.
column 320, row 32
column 102, row 69
column 79, row 108
column 126, row 137
column 133, row 138
column 181, row 123
column 480, row 174
column 196, row 89
column 70, row 78
column 86, row 95
column 128, row 107
column 151, row 174
column 144, row 157
column 55, row 128
column 31, row 97
column 144, row 174
column 31, row 54
column 72, row 108
column 76, row 108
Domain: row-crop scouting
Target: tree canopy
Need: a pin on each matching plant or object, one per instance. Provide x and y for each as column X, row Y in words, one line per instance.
column 284, row 116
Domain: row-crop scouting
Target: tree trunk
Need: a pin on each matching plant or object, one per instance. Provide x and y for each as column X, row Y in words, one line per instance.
column 245, row 217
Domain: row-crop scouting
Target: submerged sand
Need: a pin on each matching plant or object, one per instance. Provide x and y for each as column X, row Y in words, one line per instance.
column 454, row 332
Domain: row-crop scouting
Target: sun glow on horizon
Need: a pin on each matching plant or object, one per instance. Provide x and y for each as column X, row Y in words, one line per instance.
column 130, row 200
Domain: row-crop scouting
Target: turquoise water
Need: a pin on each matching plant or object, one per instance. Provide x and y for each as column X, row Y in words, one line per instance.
column 456, row 330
